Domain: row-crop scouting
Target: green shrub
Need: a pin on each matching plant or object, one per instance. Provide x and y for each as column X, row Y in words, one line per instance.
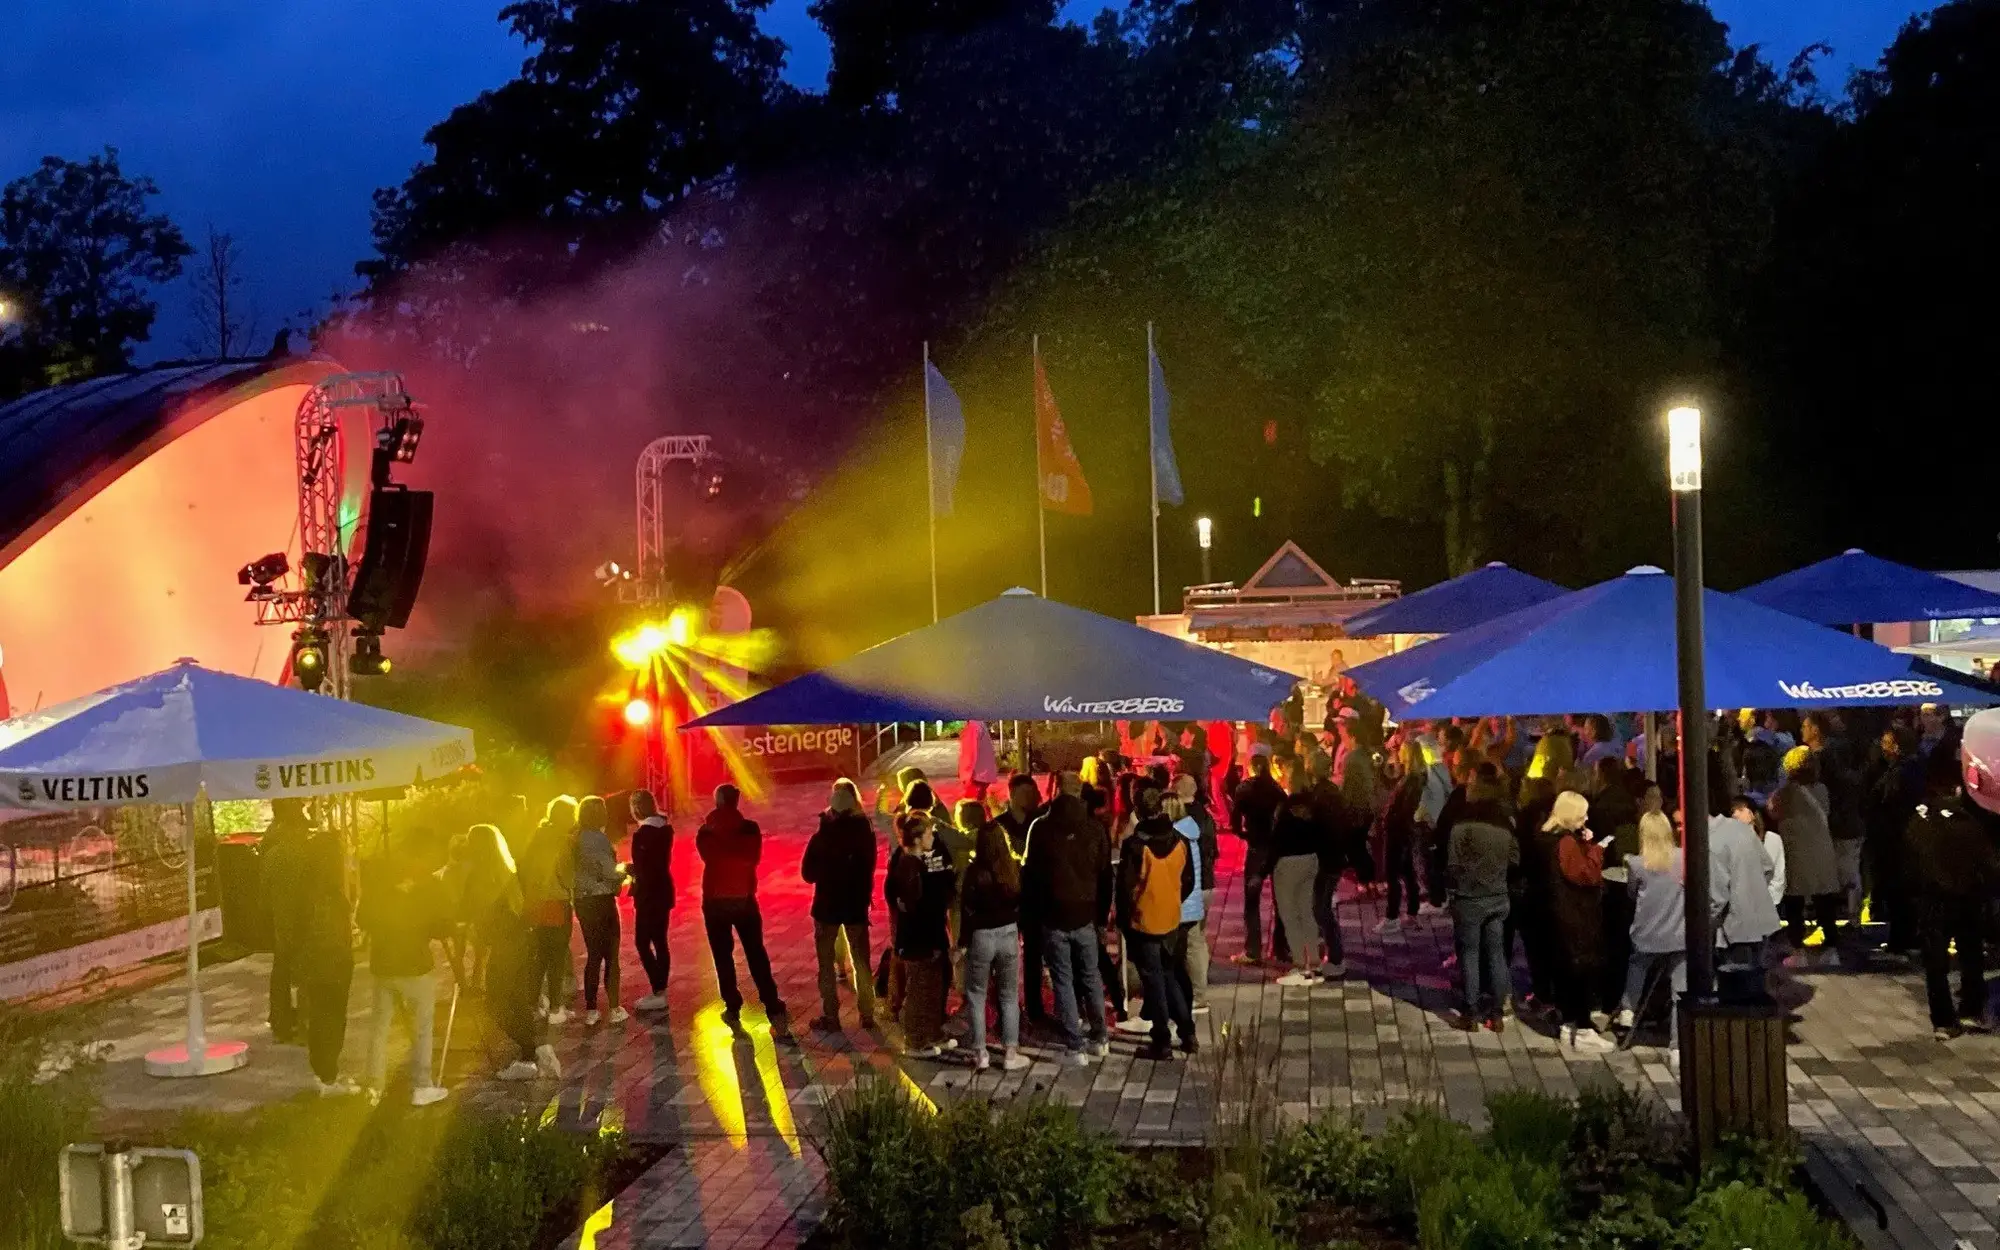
column 900, row 1175
column 1624, row 1142
column 1625, row 1223
column 37, row 1119
column 1422, row 1148
column 1491, row 1204
column 1530, row 1125
column 1769, row 1163
column 1328, row 1160
column 1739, row 1215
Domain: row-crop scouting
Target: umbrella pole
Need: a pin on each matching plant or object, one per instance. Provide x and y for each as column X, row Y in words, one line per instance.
column 195, row 1056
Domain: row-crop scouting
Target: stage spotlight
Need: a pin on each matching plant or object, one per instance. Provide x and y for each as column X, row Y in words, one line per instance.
column 309, row 659
column 368, row 660
column 638, row 713
column 259, row 574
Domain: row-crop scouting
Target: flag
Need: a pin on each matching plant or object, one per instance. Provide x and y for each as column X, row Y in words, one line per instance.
column 947, row 437
column 1166, row 471
column 1063, row 487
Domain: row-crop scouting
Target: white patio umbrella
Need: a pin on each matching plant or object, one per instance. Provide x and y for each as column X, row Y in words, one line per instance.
column 192, row 734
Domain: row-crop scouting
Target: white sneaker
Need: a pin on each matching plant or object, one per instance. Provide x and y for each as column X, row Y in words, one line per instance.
column 1295, row 979
column 340, row 1087
column 651, row 1002
column 1013, row 1061
column 1200, row 1009
column 1099, row 1050
column 546, row 1063
column 427, row 1095
column 1674, row 1062
column 1389, row 928
column 558, row 1016
column 590, row 1019
column 1332, row 971
column 619, row 1015
column 1587, row 1041
column 519, row 1070
column 1624, row 1018
column 1600, row 1020
column 924, row 1052
column 1078, row 1058
column 979, row 1061
column 1430, row 909
column 1134, row 1025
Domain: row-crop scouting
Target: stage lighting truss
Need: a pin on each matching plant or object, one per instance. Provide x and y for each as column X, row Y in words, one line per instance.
column 325, row 536
column 650, row 583
column 259, row 575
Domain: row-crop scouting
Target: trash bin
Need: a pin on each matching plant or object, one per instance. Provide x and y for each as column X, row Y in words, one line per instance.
column 1733, row 1071
column 239, row 879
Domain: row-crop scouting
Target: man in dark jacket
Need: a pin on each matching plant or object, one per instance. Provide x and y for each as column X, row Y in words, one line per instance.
column 1953, row 873
column 402, row 911
column 318, row 922
column 1066, row 882
column 1024, row 803
column 279, row 856
column 839, row 864
column 1482, row 854
column 1258, row 801
column 652, row 874
column 730, row 845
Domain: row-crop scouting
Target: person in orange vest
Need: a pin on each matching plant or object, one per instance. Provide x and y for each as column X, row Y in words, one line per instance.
column 1155, row 875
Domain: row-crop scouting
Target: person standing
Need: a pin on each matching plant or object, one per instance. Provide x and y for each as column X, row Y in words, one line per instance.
column 492, row 903
column 402, row 911
column 279, row 852
column 991, row 908
column 548, row 871
column 1954, row 875
column 1067, row 882
column 1577, row 908
column 1744, row 914
column 1893, row 785
column 1295, row 858
column 652, row 872
column 976, row 767
column 731, row 845
column 1482, row 857
column 1195, row 824
column 598, row 879
column 919, row 889
column 1812, row 873
column 1253, row 818
column 1024, row 800
column 1404, row 839
column 839, row 864
column 1655, row 877
column 324, row 943
column 1156, row 875
column 1842, row 775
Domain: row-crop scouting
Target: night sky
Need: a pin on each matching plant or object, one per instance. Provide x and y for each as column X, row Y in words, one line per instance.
column 275, row 121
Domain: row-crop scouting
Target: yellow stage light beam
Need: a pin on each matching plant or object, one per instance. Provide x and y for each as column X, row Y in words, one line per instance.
column 714, row 1052
column 772, row 1078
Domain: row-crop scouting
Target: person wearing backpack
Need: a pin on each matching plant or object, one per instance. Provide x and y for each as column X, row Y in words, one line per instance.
column 1155, row 876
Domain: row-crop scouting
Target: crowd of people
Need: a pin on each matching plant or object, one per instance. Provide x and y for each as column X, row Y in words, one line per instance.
column 1085, row 912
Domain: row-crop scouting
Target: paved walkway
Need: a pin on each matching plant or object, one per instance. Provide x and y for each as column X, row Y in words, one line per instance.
column 1910, row 1121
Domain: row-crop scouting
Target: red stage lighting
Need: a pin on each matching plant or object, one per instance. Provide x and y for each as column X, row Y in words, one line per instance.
column 638, row 712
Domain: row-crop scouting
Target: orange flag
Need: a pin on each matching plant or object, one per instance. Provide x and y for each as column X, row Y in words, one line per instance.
column 1063, row 487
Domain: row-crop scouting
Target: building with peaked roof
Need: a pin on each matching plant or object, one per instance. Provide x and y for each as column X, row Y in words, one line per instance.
column 127, row 504
column 1287, row 615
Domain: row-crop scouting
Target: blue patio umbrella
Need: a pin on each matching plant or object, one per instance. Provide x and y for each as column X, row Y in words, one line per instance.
column 1021, row 657
column 1466, row 600
column 1855, row 588
column 1610, row 648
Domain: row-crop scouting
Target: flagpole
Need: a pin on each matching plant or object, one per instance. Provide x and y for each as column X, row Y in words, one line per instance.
column 1153, row 465
column 930, row 480
column 1035, row 427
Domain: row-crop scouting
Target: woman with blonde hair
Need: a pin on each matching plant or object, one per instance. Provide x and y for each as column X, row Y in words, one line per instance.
column 548, row 879
column 1655, row 878
column 492, row 904
column 1576, row 904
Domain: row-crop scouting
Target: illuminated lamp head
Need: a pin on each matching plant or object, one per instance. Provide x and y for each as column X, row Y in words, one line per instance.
column 309, row 659
column 638, row 713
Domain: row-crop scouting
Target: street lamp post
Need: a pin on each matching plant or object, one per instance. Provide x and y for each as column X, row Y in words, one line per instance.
column 1684, row 473
column 1205, row 531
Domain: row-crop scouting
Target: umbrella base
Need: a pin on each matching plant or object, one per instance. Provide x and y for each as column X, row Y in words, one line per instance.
column 219, row 1057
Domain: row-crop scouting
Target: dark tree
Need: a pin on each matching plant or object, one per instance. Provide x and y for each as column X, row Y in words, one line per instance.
column 80, row 249
column 226, row 324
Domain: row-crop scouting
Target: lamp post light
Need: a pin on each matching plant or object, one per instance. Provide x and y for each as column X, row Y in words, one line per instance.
column 1204, row 530
column 1684, row 477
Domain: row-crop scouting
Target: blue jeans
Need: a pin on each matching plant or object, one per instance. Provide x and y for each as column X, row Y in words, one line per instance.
column 984, row 950
column 1071, row 955
column 1479, row 924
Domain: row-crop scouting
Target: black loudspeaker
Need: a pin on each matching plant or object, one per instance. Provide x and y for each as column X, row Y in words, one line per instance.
column 392, row 557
